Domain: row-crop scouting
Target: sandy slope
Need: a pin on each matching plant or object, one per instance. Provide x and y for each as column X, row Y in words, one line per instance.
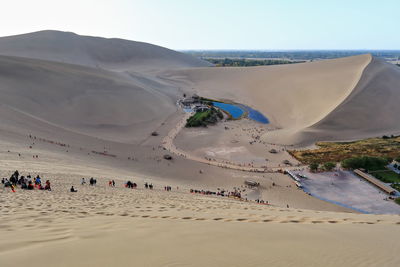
column 102, row 226
column 92, row 101
column 371, row 108
column 116, row 54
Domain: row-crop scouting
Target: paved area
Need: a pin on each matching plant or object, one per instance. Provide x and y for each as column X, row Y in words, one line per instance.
column 349, row 190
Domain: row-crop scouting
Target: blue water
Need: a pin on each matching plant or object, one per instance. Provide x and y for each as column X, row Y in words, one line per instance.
column 235, row 111
column 256, row 115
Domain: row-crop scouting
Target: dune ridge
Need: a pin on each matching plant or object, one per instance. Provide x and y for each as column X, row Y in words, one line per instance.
column 113, row 53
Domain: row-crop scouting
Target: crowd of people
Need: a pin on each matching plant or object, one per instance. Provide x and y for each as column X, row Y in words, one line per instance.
column 235, row 193
column 223, row 193
column 26, row 183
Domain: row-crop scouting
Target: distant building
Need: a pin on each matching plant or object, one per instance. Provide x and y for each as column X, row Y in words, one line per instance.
column 201, row 108
column 385, row 188
column 188, row 102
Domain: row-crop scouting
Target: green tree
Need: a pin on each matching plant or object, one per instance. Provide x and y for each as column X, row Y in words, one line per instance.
column 368, row 163
column 328, row 166
column 314, row 166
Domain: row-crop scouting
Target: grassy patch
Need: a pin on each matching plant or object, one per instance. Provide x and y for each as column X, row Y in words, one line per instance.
column 396, row 186
column 397, row 200
column 387, row 176
column 204, row 118
column 388, row 147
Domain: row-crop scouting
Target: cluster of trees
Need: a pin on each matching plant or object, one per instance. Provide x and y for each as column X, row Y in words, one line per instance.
column 204, row 118
column 229, row 62
column 389, row 137
column 293, row 55
column 364, row 162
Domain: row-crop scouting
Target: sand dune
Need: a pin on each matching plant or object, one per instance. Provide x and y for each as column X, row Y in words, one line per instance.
column 308, row 102
column 102, row 226
column 302, row 99
column 370, row 109
column 116, row 54
column 87, row 100
column 90, row 105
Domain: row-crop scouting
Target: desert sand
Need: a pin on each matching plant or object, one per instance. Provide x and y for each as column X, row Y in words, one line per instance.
column 102, row 226
column 76, row 106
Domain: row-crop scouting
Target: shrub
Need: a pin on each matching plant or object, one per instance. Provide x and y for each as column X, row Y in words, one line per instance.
column 314, row 166
column 328, row 166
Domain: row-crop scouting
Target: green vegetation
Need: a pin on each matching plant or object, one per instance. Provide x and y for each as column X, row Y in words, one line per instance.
column 204, row 118
column 365, row 162
column 396, row 186
column 329, row 166
column 387, row 176
column 397, row 200
column 385, row 147
column 314, row 166
column 240, row 62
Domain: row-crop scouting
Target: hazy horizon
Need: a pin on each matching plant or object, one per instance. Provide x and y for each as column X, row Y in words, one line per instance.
column 217, row 25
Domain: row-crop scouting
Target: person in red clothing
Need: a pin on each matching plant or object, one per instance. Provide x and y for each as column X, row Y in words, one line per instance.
column 47, row 186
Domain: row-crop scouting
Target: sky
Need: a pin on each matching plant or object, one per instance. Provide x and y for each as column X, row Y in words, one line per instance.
column 216, row 24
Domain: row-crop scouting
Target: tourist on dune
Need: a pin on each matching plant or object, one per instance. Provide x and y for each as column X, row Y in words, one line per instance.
column 92, row 181
column 73, row 190
column 24, row 185
column 38, row 181
column 47, row 186
column 83, row 182
column 13, row 180
column 30, row 186
column 7, row 183
column 16, row 174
